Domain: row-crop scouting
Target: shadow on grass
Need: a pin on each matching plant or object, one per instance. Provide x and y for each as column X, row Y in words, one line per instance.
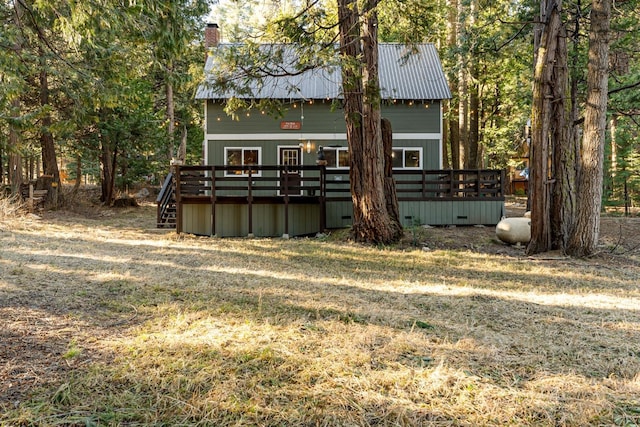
column 275, row 332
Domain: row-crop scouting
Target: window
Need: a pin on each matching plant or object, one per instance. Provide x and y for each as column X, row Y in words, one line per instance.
column 242, row 157
column 407, row 158
column 336, row 157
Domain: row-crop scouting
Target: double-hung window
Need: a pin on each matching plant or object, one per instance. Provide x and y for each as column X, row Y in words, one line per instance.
column 407, row 158
column 242, row 156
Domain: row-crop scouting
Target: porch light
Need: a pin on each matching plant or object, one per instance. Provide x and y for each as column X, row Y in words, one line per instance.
column 309, row 146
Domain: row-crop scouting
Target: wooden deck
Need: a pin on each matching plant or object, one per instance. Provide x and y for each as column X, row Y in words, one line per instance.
column 302, row 190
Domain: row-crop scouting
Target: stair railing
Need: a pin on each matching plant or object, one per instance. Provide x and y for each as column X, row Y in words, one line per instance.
column 165, row 199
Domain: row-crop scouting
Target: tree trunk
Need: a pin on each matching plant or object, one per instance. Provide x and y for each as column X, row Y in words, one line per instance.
column 454, row 130
column 474, row 121
column 171, row 118
column 108, row 156
column 463, row 115
column 446, row 164
column 15, row 159
column 563, row 188
column 474, row 100
column 584, row 237
column 613, row 168
column 463, row 101
column 371, row 221
column 389, row 181
column 76, row 185
column 540, row 174
column 47, row 145
column 1, row 165
column 14, row 149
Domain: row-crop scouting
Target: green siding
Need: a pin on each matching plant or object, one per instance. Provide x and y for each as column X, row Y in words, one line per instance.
column 269, row 150
column 451, row 212
column 315, row 118
column 339, row 214
column 320, row 117
column 196, row 219
column 232, row 221
column 430, row 150
column 413, row 118
column 268, row 220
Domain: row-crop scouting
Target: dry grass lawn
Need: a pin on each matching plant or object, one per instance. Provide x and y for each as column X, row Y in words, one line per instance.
column 105, row 320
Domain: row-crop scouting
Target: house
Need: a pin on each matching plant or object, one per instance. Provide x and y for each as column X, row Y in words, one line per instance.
column 260, row 174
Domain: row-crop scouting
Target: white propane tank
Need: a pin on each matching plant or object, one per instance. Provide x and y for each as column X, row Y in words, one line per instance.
column 514, row 230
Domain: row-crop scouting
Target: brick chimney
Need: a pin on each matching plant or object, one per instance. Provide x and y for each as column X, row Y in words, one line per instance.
column 211, row 36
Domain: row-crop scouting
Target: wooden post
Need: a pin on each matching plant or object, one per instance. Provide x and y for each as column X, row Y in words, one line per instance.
column 323, row 204
column 286, row 203
column 250, row 204
column 178, row 201
column 213, row 200
column 30, row 199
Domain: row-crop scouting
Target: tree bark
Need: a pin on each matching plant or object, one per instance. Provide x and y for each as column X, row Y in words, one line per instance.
column 15, row 158
column 474, row 99
column 563, row 167
column 540, row 173
column 474, row 120
column 454, row 130
column 463, row 102
column 171, row 118
column 76, row 185
column 47, row 145
column 1, row 165
column 584, row 237
column 371, row 220
column 108, row 157
column 389, row 181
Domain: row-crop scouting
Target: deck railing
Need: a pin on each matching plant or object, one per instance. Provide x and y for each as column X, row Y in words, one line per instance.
column 304, row 183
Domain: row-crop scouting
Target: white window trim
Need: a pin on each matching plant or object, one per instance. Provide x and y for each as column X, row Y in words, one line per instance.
column 420, row 157
column 337, row 150
column 258, row 163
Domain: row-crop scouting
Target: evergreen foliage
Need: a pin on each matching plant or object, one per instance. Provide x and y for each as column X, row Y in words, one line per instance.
column 120, row 77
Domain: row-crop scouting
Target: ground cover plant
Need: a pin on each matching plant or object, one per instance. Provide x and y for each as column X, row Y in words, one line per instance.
column 105, row 320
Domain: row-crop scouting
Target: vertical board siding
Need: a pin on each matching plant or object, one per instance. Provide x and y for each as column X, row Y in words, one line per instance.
column 451, row 212
column 196, row 219
column 268, row 219
column 339, row 214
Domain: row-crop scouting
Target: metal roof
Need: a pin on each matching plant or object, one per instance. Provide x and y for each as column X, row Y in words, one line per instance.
column 407, row 72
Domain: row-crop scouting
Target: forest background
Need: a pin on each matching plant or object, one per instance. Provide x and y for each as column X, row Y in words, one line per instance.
column 103, row 91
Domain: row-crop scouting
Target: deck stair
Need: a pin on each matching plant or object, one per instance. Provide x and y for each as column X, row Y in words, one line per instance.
column 166, row 202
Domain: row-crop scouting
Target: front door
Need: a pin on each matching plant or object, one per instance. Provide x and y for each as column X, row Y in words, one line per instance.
column 290, row 181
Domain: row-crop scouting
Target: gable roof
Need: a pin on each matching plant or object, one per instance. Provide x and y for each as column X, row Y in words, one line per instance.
column 406, row 73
